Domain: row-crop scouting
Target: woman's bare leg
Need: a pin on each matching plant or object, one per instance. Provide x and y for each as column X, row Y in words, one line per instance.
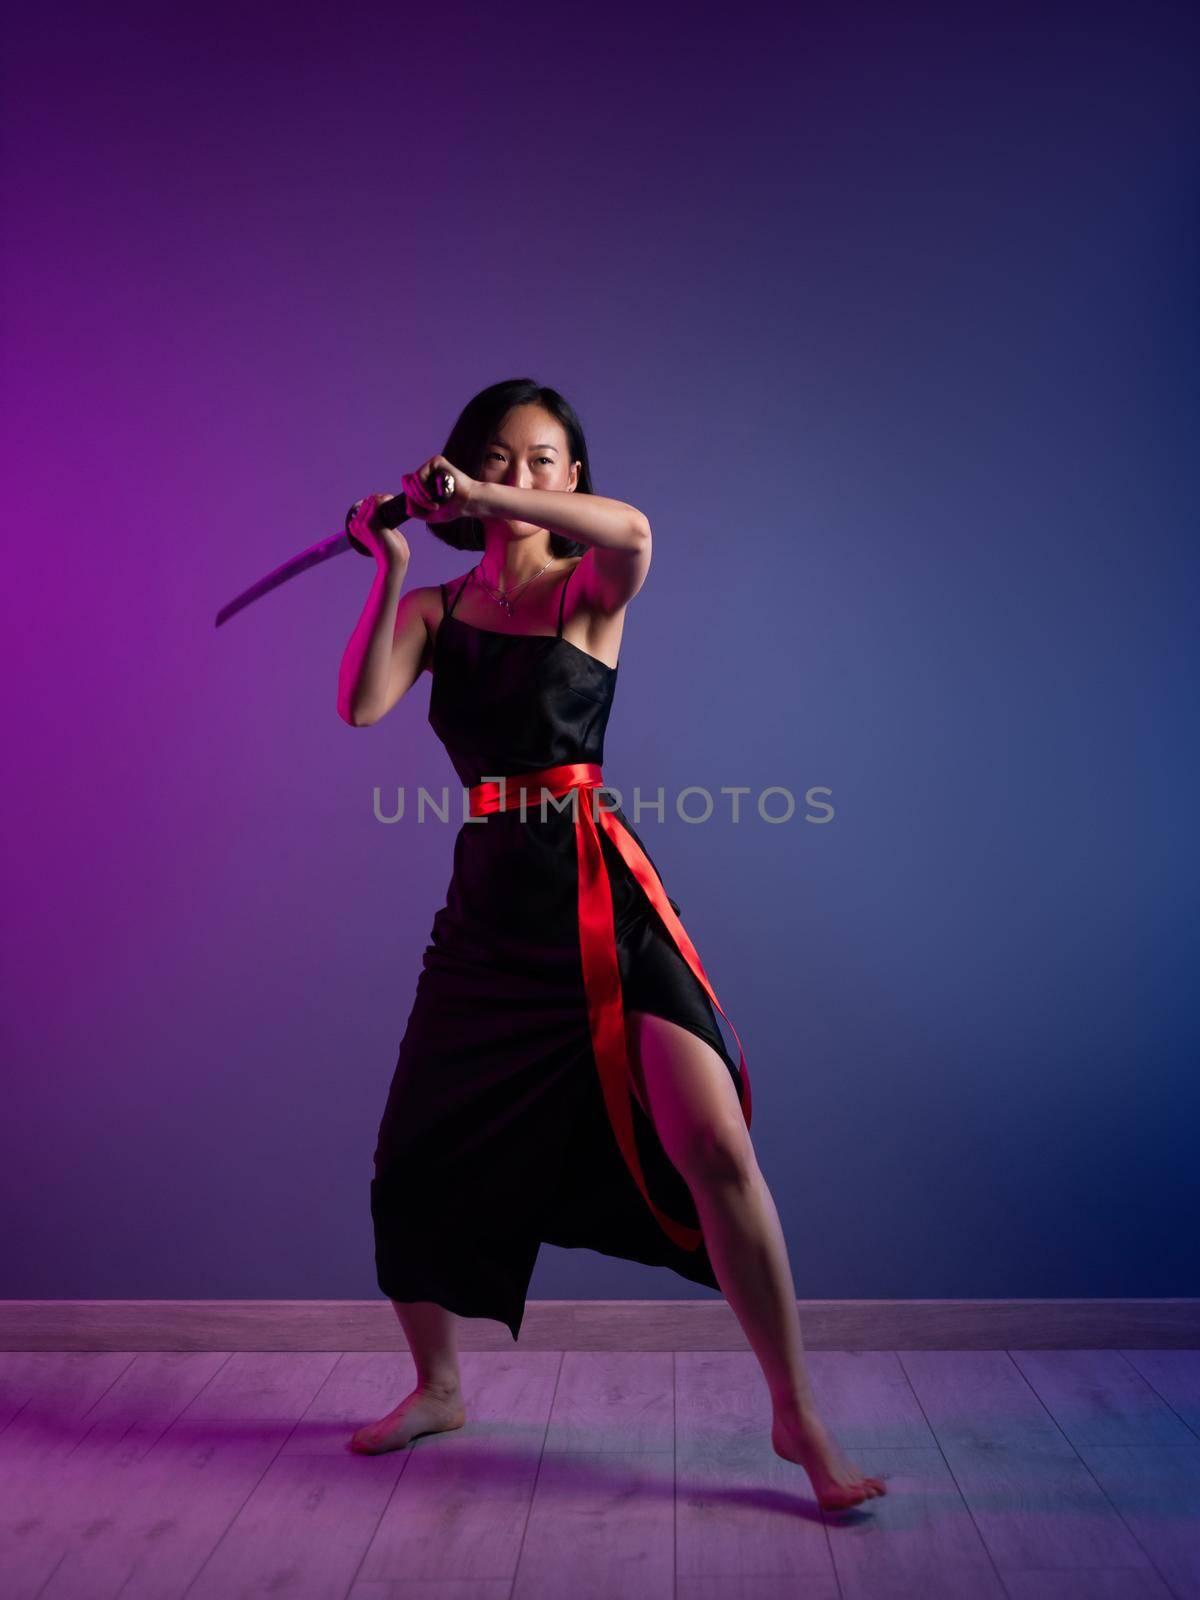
column 436, row 1404
column 432, row 1335
column 685, row 1088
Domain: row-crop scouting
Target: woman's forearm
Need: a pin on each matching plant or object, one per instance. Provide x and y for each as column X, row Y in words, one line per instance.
column 366, row 662
column 590, row 518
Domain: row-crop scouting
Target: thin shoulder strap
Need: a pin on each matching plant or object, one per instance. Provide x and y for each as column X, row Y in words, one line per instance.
column 457, row 592
column 562, row 599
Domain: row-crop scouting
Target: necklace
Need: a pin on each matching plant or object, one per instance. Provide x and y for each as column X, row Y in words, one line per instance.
column 502, row 596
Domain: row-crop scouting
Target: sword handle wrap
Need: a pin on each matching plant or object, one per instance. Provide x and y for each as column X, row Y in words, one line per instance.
column 395, row 511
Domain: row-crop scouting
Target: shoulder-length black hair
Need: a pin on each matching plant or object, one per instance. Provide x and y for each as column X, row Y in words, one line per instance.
column 478, row 423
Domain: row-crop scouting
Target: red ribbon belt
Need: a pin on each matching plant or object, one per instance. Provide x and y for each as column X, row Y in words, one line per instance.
column 598, row 946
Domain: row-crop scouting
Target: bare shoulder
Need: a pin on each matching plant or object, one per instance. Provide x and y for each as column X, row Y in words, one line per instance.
column 425, row 600
column 420, row 609
column 428, row 598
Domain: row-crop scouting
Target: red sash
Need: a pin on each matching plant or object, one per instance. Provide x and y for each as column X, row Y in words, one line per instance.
column 598, row 945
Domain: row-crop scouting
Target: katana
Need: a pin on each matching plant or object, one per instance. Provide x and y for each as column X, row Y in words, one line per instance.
column 389, row 515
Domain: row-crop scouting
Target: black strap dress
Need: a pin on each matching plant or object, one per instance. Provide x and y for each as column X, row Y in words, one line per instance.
column 495, row 1135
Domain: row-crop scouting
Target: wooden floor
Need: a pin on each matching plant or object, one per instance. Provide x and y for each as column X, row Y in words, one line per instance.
column 1071, row 1474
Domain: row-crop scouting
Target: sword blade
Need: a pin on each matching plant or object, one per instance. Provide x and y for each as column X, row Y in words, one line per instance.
column 336, row 544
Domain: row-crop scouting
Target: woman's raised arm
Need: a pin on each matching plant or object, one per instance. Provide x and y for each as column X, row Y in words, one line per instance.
column 386, row 651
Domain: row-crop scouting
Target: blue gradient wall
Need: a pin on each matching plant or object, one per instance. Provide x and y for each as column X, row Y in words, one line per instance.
column 889, row 326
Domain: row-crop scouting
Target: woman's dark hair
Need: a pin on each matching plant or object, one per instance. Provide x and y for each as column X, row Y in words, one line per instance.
column 477, row 425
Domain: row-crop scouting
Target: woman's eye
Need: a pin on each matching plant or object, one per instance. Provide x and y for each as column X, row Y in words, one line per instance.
column 494, row 455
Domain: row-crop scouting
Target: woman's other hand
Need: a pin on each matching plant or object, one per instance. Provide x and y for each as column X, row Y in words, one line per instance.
column 387, row 545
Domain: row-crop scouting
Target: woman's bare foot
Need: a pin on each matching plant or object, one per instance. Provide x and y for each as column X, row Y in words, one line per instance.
column 802, row 1437
column 423, row 1411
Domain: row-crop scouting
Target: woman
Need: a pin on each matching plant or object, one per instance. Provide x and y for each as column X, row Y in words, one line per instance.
column 561, row 1076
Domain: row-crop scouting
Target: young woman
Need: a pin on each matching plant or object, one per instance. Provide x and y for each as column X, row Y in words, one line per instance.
column 561, row 1076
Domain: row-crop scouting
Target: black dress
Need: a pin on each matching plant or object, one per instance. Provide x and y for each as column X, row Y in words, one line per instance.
column 496, row 1134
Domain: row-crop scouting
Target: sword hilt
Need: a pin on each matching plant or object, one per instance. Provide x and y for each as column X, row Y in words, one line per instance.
column 395, row 511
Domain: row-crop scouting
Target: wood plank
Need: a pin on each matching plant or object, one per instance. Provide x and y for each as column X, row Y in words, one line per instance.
column 1032, row 1497
column 87, row 1492
column 49, row 1399
column 304, row 1529
column 434, row 1589
column 920, row 1540
column 866, row 1400
column 178, row 1488
column 1156, row 1489
column 1175, row 1374
column 1044, row 1474
column 602, row 1523
column 781, row 1586
column 620, row 1400
column 460, row 1507
column 1096, row 1397
column 740, row 1510
column 61, row 1378
column 1131, row 1583
column 362, row 1386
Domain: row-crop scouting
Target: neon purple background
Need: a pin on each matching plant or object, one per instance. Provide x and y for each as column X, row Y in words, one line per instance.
column 889, row 327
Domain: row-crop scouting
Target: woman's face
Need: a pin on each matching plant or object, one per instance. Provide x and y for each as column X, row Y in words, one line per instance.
column 529, row 451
